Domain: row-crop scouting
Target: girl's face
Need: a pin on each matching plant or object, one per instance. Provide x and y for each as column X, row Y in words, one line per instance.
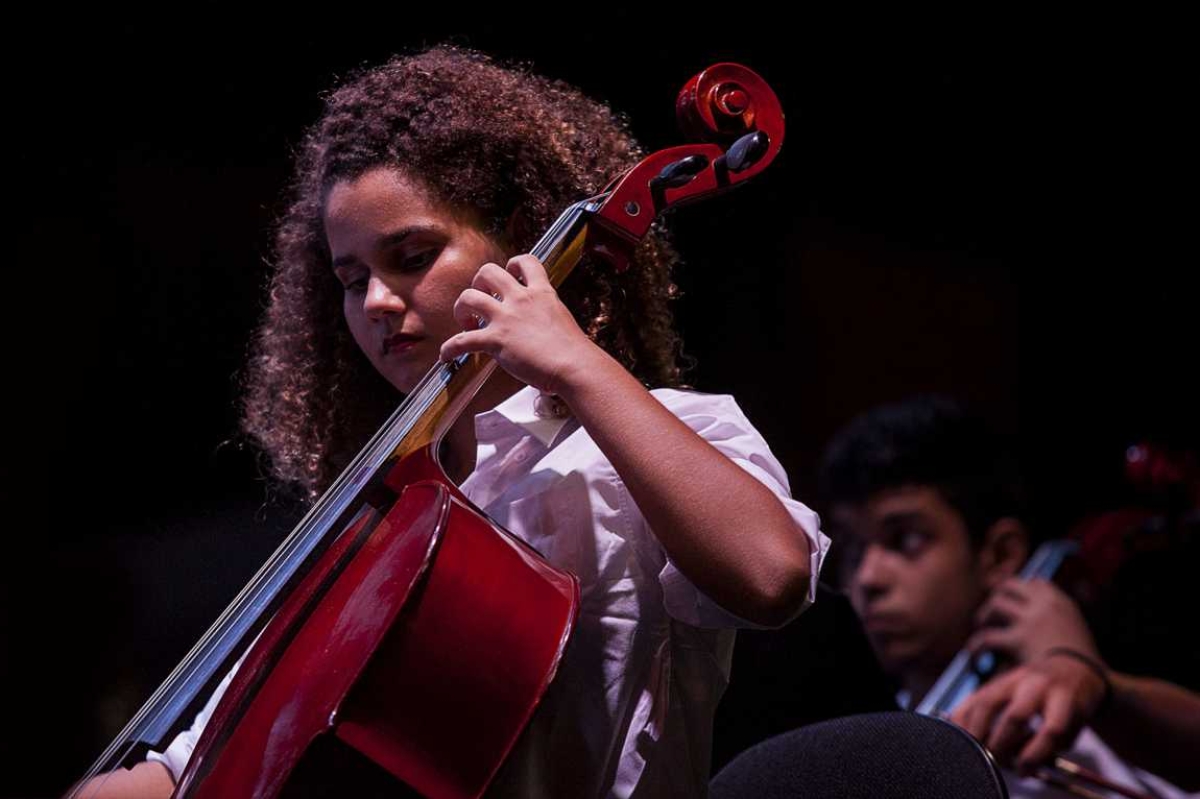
column 403, row 259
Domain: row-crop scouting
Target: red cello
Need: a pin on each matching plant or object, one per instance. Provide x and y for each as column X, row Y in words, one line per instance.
column 397, row 616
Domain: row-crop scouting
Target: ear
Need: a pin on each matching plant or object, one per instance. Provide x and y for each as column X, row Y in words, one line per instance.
column 1005, row 549
column 518, row 230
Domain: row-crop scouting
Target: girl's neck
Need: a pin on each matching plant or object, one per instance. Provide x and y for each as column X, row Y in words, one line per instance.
column 457, row 453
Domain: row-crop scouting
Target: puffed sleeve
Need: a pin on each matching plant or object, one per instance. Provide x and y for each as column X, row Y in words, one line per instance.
column 719, row 421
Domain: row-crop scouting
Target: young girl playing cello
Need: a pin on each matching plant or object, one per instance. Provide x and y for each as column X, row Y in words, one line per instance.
column 413, row 195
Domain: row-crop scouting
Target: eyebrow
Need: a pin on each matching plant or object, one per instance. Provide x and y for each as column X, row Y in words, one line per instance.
column 387, row 241
column 902, row 517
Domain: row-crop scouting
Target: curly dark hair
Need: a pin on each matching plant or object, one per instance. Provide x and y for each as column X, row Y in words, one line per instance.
column 513, row 148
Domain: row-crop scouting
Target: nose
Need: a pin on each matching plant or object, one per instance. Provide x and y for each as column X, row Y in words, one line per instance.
column 380, row 299
column 870, row 578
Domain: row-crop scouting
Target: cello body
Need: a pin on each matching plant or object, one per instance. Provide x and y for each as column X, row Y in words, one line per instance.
column 427, row 654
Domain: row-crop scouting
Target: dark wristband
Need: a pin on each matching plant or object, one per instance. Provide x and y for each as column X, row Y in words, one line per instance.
column 1093, row 664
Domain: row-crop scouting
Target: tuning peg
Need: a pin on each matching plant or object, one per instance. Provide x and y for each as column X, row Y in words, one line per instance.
column 676, row 174
column 746, row 151
column 681, row 172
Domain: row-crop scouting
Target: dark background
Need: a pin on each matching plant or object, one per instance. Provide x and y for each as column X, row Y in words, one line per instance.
column 996, row 215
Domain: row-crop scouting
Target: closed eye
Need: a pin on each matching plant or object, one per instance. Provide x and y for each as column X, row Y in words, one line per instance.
column 416, row 262
column 352, row 278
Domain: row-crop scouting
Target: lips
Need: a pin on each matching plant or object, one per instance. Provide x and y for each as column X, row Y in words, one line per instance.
column 399, row 342
column 883, row 624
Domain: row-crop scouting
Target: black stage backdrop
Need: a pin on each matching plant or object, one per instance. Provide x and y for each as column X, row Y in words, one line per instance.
column 990, row 216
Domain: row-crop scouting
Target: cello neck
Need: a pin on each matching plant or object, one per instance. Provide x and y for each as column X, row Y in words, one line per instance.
column 448, row 389
column 966, row 673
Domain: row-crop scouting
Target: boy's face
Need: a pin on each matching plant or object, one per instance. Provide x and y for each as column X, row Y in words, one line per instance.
column 912, row 575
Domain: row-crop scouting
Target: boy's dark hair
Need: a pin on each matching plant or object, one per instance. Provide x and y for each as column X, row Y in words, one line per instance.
column 930, row 441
